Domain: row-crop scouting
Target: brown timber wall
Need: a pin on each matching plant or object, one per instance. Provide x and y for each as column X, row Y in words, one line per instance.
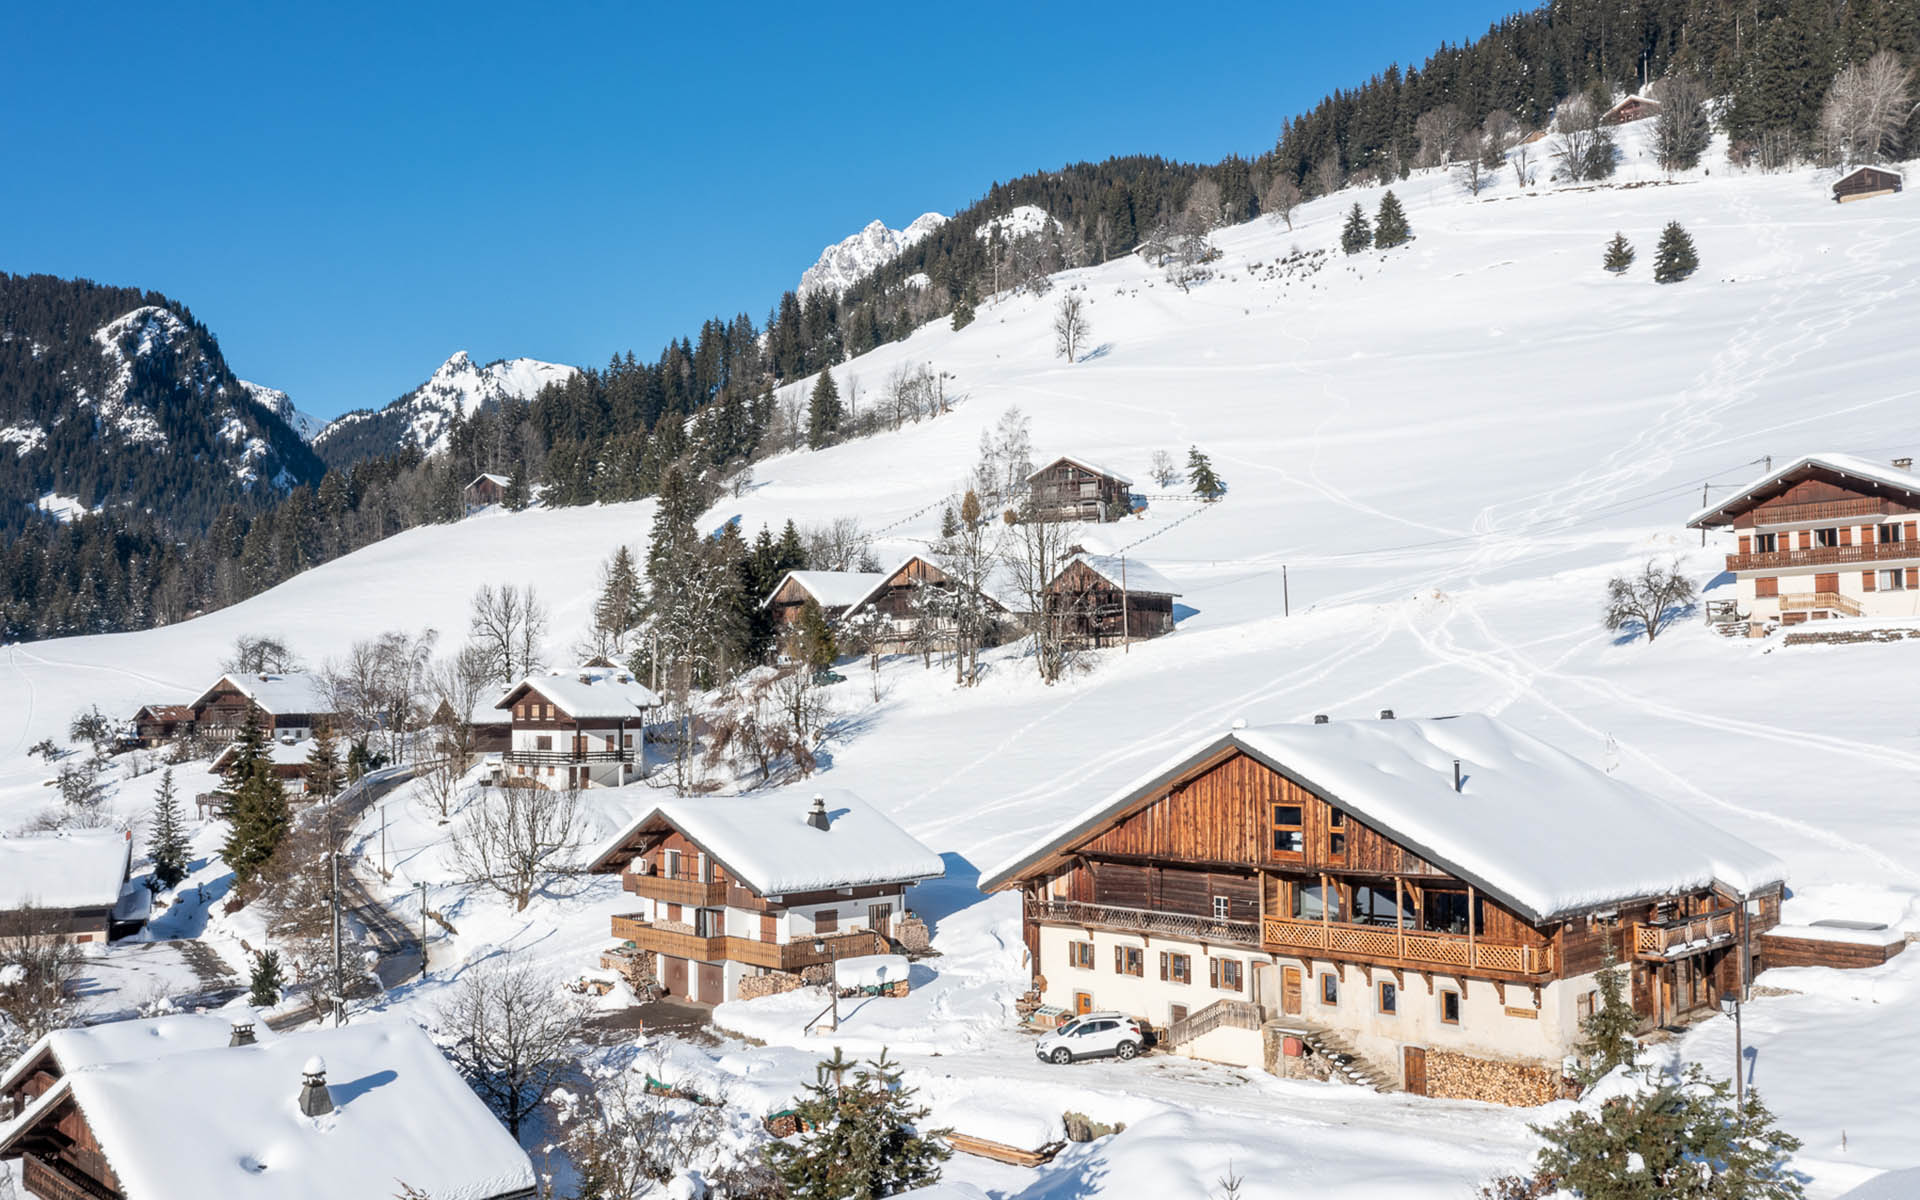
column 1777, row 951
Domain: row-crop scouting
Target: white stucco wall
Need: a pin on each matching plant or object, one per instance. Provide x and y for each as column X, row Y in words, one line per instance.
column 1144, row 996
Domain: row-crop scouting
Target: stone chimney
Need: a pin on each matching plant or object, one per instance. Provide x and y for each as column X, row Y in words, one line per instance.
column 1386, row 714
column 817, row 815
column 315, row 1100
column 1319, row 718
column 242, row 1034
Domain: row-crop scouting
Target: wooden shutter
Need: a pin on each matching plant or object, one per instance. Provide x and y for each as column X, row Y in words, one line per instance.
column 1866, row 581
column 1164, row 965
column 1846, row 535
column 1766, row 586
column 1119, row 960
column 1913, row 578
column 1746, row 544
column 1213, row 972
column 1806, row 539
column 1912, row 533
column 1827, row 582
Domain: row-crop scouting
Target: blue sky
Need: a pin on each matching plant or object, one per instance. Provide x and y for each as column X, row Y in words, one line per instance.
column 348, row 195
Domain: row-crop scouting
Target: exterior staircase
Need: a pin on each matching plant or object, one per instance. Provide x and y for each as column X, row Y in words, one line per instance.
column 1345, row 1063
column 1237, row 1014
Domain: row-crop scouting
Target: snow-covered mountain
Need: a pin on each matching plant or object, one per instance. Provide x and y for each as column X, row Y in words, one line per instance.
column 280, row 405
column 422, row 417
column 846, row 262
column 1023, row 220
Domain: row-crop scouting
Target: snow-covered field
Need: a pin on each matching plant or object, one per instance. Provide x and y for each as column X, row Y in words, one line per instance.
column 1447, row 448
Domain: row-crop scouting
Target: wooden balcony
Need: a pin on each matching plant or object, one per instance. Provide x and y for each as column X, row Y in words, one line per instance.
column 779, row 956
column 1682, row 936
column 1825, row 556
column 677, row 889
column 1414, row 949
column 567, row 758
column 1140, row 920
column 55, row 1180
column 1819, row 602
column 1825, row 510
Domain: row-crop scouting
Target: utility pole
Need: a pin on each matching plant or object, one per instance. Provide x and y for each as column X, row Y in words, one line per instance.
column 1126, row 624
column 1286, row 601
column 384, row 873
column 338, row 1001
column 423, row 927
column 1703, row 506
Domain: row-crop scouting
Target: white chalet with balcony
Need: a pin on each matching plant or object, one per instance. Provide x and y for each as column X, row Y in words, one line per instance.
column 582, row 727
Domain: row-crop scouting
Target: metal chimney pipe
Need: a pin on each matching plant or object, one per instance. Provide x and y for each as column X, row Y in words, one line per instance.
column 1386, row 714
column 1456, row 774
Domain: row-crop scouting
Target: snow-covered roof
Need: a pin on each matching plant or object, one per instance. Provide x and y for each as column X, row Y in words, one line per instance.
column 279, row 752
column 1852, row 171
column 990, row 591
column 401, row 1115
column 487, row 477
column 291, row 692
column 764, row 840
column 76, row 869
column 588, row 693
column 1532, row 826
column 1720, row 511
column 831, row 589
column 118, row 1041
column 1085, row 464
column 1138, row 576
column 167, row 712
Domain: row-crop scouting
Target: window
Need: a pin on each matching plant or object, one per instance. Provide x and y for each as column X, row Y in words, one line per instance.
column 1130, row 960
column 1583, row 1006
column 1336, row 833
column 1287, row 838
column 1309, row 899
column 1893, row 581
column 1766, row 543
column 1329, row 988
column 1080, row 954
column 1225, row 973
column 827, row 920
column 1446, row 912
column 1389, row 999
column 1175, row 968
column 1450, row 1008
column 1886, row 535
column 543, row 741
column 1826, row 537
column 1222, row 908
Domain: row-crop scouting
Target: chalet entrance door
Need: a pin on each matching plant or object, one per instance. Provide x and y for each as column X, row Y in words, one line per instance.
column 880, row 919
column 1082, row 1002
column 1290, row 991
column 1413, row 1061
column 673, row 975
column 713, row 983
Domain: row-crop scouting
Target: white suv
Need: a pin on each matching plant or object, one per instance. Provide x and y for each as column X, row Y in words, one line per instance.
column 1092, row 1035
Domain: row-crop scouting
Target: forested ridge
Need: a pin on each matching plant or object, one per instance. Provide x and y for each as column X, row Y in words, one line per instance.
column 705, row 407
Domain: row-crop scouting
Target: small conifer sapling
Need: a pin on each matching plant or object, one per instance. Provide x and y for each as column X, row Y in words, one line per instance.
column 1619, row 254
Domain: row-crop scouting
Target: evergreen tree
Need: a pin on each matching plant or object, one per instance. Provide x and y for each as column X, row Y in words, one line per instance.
column 1207, row 485
column 824, row 412
column 1607, row 1039
column 1619, row 254
column 790, row 553
column 323, row 763
column 858, row 1140
column 517, row 496
column 1390, row 226
column 618, row 609
column 167, row 840
column 264, row 981
column 1357, row 234
column 1675, row 259
column 258, row 804
column 814, row 637
column 962, row 313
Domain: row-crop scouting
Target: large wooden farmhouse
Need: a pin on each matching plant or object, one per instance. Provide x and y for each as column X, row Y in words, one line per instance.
column 1103, row 600
column 741, row 895
column 919, row 603
column 367, row 1110
column 1432, row 897
column 1828, row 536
column 287, row 704
column 1073, row 489
column 76, row 885
column 580, row 728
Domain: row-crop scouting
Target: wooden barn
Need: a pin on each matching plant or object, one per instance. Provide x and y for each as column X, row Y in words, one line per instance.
column 1073, row 489
column 285, row 704
column 156, row 724
column 484, row 492
column 833, row 591
column 1419, row 904
column 1864, row 183
column 1105, row 600
column 1633, row 108
column 917, row 602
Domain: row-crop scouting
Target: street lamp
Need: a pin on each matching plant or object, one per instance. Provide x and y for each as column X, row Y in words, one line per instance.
column 822, row 946
column 1730, row 1005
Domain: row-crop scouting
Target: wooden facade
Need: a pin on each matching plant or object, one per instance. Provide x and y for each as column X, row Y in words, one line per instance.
column 548, row 745
column 222, row 712
column 1863, row 183
column 1069, row 489
column 61, row 1159
column 914, row 609
column 1094, row 611
column 484, row 491
column 1633, row 108
column 156, row 724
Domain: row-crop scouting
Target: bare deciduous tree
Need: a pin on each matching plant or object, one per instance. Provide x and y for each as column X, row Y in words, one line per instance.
column 296, row 889
column 629, row 1139
column 969, row 559
column 1036, row 553
column 838, row 545
column 253, row 654
column 1281, row 198
column 517, row 839
column 38, row 967
column 1070, row 328
column 1202, row 211
column 1326, row 176
column 1583, row 145
column 1496, row 137
column 509, row 625
column 1867, row 109
column 511, row 1030
column 1439, row 131
column 1649, row 601
column 1163, row 469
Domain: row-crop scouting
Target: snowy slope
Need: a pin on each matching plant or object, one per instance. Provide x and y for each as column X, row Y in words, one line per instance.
column 1448, row 448
column 857, row 256
column 422, row 417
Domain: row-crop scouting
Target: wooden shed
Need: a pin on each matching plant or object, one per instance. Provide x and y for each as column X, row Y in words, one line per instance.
column 485, row 490
column 1864, row 183
column 1103, row 600
column 1633, row 108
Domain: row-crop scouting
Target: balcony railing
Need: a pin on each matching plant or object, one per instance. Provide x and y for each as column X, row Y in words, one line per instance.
column 1824, row 510
column 565, row 758
column 1668, row 939
column 780, row 956
column 57, row 1181
column 1819, row 602
column 1108, row 916
column 677, row 889
column 1413, row 948
column 1825, row 556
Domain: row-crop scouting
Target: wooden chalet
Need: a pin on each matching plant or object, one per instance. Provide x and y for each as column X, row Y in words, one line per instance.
column 1435, row 895
column 1074, row 489
column 580, row 728
column 1826, row 537
column 1104, row 600
column 286, row 704
column 484, row 492
column 1864, row 183
column 64, row 1051
column 833, row 591
column 916, row 602
column 1633, row 108
column 77, row 885
column 489, row 729
column 164, row 1110
column 156, row 724
column 742, row 895
column 287, row 760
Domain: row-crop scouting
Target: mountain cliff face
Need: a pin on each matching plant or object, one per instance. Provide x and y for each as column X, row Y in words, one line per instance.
column 421, row 418
column 845, row 263
column 280, row 405
column 112, row 398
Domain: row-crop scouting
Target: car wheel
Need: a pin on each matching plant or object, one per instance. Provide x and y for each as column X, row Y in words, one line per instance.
column 1061, row 1057
column 1127, row 1049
